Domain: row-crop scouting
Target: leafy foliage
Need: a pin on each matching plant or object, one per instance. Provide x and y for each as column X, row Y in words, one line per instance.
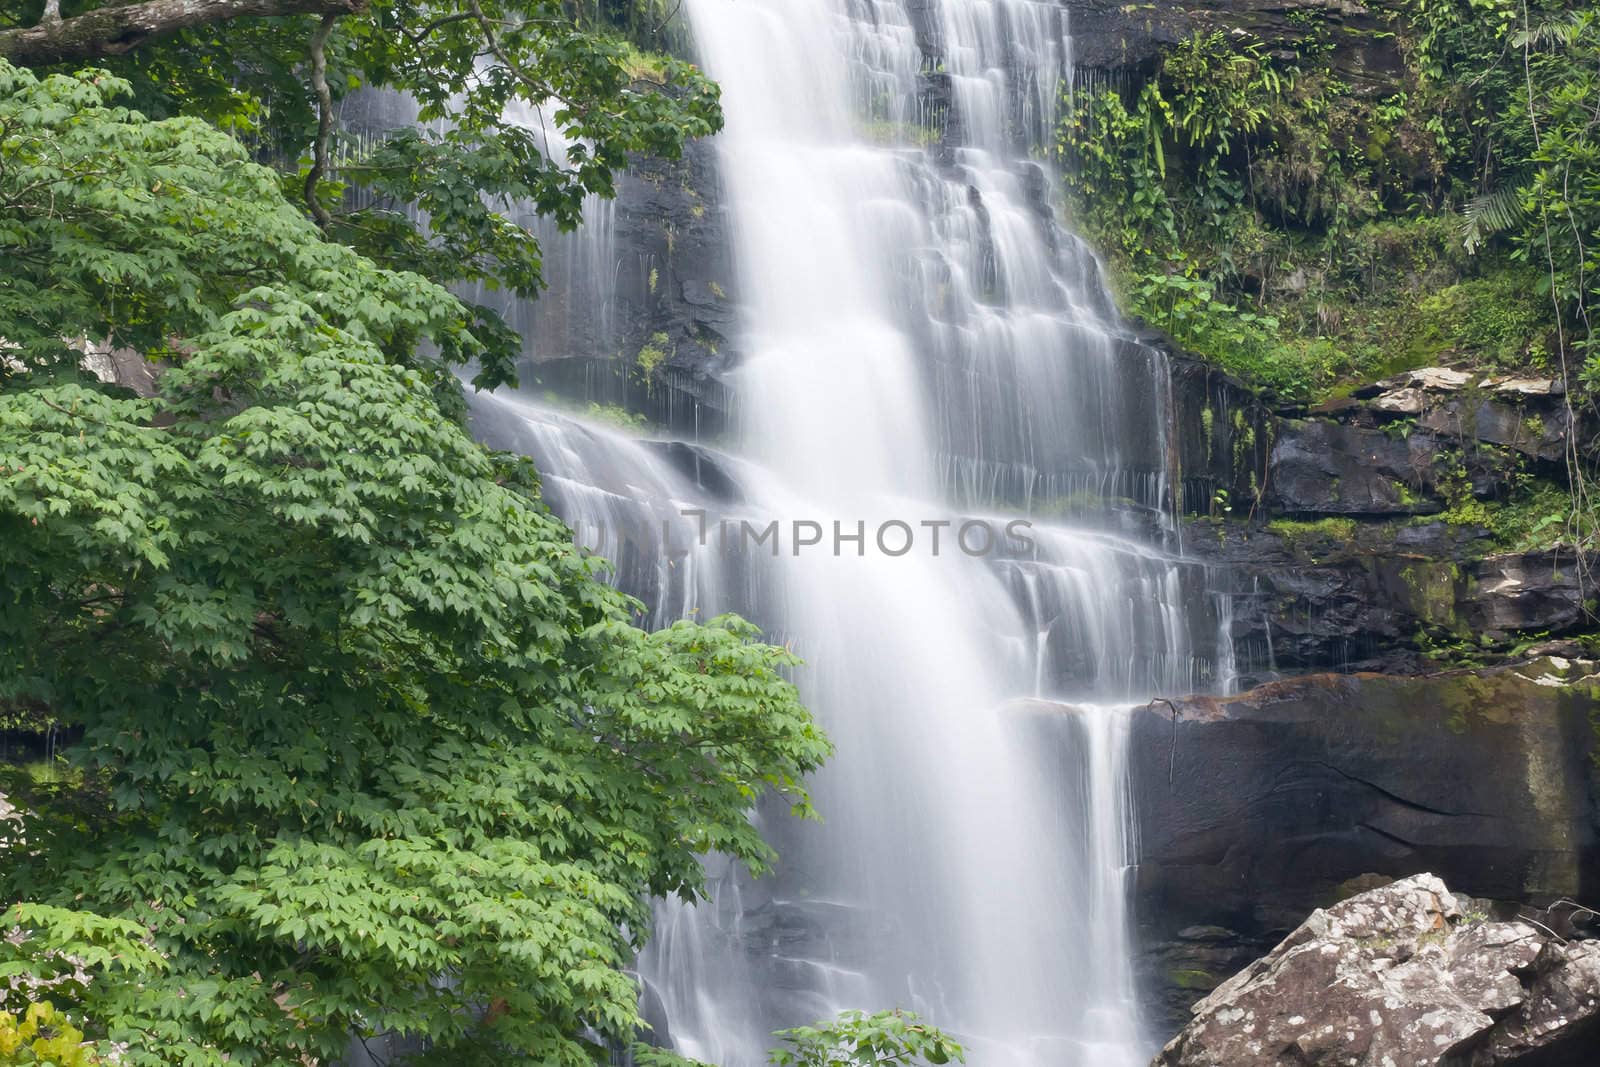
column 1526, row 118
column 856, row 1039
column 42, row 1035
column 1282, row 222
column 522, row 105
column 367, row 746
column 1158, row 180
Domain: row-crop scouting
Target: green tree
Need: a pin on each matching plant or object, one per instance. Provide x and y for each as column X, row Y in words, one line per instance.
column 520, row 103
column 363, row 744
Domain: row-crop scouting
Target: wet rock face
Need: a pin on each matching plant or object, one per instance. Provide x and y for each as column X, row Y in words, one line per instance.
column 1524, row 415
column 1391, row 448
column 1406, row 974
column 1255, row 809
column 657, row 331
column 1351, row 596
column 1359, row 571
column 1327, row 468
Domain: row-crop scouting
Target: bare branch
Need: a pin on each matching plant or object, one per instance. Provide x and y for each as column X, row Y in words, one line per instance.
column 115, row 31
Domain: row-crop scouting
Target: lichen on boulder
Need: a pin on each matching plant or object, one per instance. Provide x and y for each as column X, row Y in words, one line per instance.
column 1406, row 975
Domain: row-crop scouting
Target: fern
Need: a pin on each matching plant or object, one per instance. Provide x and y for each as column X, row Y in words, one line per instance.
column 1559, row 30
column 1490, row 213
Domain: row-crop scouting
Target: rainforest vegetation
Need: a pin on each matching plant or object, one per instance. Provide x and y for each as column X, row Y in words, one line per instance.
column 1304, row 229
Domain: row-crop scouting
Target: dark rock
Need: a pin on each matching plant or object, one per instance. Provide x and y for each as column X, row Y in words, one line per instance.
column 1409, row 445
column 1558, row 1022
column 1121, row 40
column 1218, row 430
column 1345, row 595
column 1254, row 809
column 1534, row 425
column 1330, row 468
column 1403, row 974
column 670, row 287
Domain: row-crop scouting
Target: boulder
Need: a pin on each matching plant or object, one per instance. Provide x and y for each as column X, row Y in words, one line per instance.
column 1405, row 974
column 121, row 366
column 1403, row 401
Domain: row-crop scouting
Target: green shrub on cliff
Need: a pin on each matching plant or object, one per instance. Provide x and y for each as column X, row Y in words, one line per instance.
column 1312, row 210
column 360, row 743
column 1495, row 322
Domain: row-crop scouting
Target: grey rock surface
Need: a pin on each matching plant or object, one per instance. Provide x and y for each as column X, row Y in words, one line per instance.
column 1406, row 975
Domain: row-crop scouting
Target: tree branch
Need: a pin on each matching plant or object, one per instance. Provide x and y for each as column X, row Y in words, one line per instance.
column 319, row 83
column 114, row 31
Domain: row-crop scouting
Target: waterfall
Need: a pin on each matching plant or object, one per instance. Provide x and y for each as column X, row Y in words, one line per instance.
column 924, row 337
column 930, row 359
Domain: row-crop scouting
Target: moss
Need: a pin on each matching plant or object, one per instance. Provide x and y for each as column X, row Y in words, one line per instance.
column 882, row 131
column 718, row 292
column 1495, row 321
column 1594, row 723
column 1479, row 699
column 1295, row 531
column 1079, row 502
column 611, row 414
column 1192, row 978
column 653, row 353
column 1535, row 516
column 1431, row 592
column 1315, row 539
column 645, row 66
column 1244, row 444
column 617, row 415
column 1351, row 887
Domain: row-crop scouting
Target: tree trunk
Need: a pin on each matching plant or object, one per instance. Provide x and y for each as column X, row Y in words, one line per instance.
column 113, row 31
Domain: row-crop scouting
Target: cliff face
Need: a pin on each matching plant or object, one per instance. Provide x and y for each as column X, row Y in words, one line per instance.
column 1388, row 525
column 670, row 303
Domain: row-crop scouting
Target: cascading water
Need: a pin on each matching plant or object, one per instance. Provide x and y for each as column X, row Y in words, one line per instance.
column 925, row 347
